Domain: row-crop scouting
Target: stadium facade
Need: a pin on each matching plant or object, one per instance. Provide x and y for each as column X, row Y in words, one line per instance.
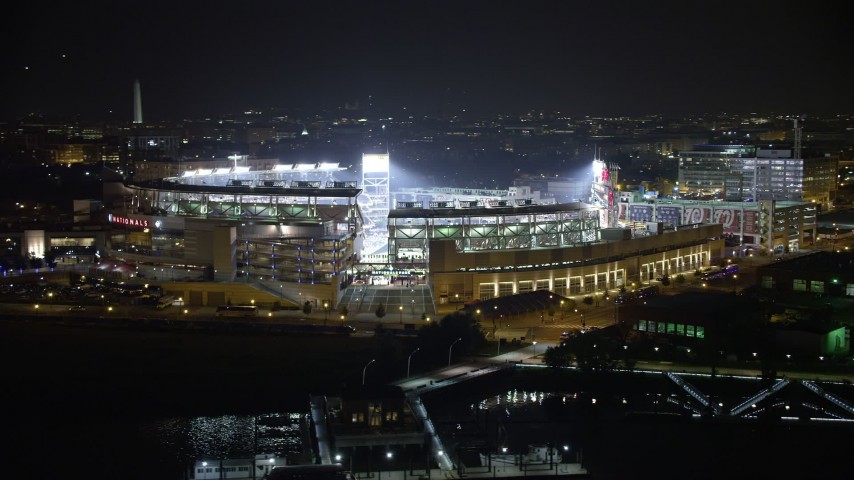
column 293, row 230
column 298, row 232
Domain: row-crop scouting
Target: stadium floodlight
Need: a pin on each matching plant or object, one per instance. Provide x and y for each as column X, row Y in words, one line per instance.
column 375, row 163
column 328, row 165
column 188, row 173
column 281, row 168
column 222, row 171
column 240, row 170
column 204, row 171
column 304, row 166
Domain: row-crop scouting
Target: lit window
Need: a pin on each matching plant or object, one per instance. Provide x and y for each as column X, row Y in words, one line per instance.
column 817, row 286
column 799, row 285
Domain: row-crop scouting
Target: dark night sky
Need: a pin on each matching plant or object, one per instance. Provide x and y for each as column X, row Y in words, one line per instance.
column 580, row 57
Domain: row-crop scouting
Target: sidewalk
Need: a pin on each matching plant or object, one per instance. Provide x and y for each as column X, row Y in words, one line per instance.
column 497, row 471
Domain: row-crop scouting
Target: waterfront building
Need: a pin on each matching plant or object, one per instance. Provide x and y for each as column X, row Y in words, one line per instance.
column 819, row 273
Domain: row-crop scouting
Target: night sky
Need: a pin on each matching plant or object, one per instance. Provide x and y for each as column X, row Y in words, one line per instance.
column 579, row 57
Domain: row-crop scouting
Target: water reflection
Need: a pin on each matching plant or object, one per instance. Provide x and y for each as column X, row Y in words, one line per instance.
column 513, row 397
column 229, row 436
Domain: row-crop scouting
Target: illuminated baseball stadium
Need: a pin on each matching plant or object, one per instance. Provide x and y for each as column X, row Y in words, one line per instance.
column 306, row 231
column 289, row 225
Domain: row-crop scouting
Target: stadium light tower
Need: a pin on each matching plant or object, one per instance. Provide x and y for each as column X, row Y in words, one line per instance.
column 374, row 201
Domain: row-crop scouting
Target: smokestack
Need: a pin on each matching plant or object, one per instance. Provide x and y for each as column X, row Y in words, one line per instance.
column 137, row 102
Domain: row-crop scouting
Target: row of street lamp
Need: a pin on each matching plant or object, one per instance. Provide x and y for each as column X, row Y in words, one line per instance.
column 409, row 360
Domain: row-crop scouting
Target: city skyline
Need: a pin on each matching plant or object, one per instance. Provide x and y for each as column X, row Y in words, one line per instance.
column 426, row 58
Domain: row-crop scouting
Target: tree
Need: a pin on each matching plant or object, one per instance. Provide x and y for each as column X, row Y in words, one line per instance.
column 665, row 280
column 306, row 307
column 680, row 279
column 380, row 313
column 593, row 352
column 343, row 310
column 568, row 304
column 557, row 357
column 435, row 338
column 588, row 300
column 34, row 261
column 50, row 259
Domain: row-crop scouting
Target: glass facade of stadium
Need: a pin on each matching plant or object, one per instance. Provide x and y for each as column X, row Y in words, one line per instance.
column 499, row 227
column 486, row 252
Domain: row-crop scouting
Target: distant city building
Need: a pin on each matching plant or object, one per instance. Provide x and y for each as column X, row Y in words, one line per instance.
column 747, row 172
column 705, row 169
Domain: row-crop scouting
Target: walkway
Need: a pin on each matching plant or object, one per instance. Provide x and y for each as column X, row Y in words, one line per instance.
column 318, row 415
column 406, row 304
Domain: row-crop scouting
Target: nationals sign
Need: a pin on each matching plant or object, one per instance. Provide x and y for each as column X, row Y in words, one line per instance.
column 696, row 215
column 730, row 218
column 128, row 221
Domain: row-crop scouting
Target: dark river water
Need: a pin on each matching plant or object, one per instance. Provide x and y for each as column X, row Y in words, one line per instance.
column 144, row 406
column 657, row 439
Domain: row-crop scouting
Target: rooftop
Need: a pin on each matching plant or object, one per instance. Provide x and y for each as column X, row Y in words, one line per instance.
column 821, row 261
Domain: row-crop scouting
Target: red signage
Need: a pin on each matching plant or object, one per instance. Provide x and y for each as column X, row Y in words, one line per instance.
column 751, row 222
column 127, row 221
column 730, row 218
column 696, row 215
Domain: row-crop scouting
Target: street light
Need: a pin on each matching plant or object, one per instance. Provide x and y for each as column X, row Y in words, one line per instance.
column 364, row 370
column 450, row 350
column 409, row 360
column 388, row 456
column 400, row 311
column 326, row 312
